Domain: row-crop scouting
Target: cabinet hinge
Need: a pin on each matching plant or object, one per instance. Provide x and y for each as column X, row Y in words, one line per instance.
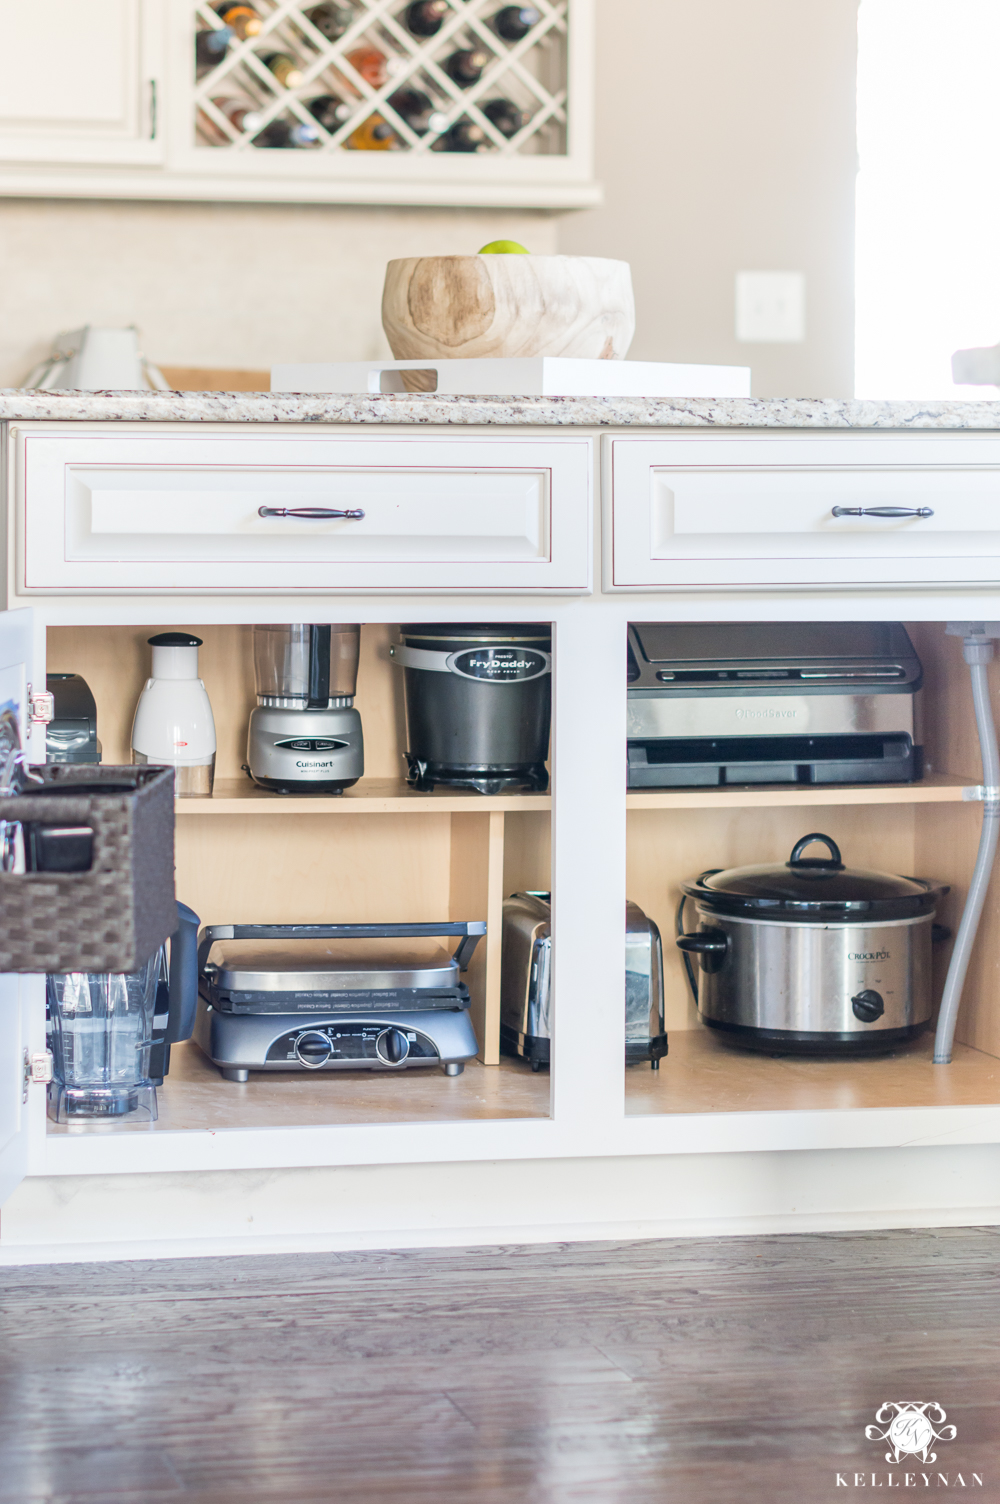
column 38, row 1068
column 41, row 706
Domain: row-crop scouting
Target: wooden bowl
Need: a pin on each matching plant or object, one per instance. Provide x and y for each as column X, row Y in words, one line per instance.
column 468, row 307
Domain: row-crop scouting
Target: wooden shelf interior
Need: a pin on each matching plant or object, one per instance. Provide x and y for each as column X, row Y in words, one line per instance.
column 403, row 856
column 928, row 829
column 704, row 1074
column 195, row 1098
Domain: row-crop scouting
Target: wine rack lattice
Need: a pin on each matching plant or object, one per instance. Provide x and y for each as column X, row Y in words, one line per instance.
column 336, row 96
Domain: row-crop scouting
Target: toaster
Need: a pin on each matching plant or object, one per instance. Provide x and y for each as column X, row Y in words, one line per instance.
column 526, row 982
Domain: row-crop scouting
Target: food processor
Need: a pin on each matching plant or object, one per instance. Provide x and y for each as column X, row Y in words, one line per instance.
column 305, row 735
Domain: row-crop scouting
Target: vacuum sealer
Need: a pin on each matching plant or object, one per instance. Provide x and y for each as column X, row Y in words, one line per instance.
column 713, row 703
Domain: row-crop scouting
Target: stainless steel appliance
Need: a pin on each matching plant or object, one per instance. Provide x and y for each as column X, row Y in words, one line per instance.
column 305, row 735
column 812, row 956
column 477, row 704
column 525, row 982
column 334, row 996
column 71, row 735
column 770, row 702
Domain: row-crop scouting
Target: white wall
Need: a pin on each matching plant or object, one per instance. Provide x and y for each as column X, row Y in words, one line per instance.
column 232, row 285
column 726, row 142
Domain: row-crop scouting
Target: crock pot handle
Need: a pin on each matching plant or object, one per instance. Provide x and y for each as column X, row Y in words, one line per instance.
column 704, row 943
column 800, row 846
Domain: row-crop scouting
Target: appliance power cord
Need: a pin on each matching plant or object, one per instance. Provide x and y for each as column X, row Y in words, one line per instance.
column 977, row 650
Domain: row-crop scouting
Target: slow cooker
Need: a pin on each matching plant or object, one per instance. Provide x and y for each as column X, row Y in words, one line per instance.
column 812, row 956
column 478, row 702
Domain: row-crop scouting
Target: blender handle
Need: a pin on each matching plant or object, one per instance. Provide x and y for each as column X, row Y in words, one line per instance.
column 183, row 976
column 312, row 514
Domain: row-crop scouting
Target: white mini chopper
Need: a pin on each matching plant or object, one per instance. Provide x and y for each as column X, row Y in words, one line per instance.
column 305, row 735
column 174, row 725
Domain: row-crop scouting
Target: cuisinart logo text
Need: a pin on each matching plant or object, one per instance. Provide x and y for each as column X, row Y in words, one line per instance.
column 766, row 715
column 910, row 1429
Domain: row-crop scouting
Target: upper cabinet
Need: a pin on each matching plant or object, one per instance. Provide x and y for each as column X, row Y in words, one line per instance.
column 466, row 102
column 80, row 83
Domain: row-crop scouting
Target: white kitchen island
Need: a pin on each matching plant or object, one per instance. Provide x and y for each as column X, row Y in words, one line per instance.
column 128, row 513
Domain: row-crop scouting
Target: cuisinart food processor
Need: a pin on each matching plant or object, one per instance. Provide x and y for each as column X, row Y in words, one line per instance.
column 305, row 735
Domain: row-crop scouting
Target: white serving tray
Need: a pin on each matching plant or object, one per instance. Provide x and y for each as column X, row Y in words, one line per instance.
column 539, row 376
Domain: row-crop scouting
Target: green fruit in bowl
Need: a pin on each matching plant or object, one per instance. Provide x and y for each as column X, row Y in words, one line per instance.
column 504, row 248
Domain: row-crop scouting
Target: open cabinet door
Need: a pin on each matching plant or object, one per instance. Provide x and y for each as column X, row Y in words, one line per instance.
column 16, row 992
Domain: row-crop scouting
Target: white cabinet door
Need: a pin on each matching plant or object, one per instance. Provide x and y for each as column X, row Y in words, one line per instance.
column 80, row 81
column 17, row 993
column 156, row 514
column 801, row 509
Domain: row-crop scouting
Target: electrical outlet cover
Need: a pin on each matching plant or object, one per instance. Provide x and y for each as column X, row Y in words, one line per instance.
column 771, row 307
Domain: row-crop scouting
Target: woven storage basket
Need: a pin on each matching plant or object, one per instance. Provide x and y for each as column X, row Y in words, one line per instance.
column 113, row 917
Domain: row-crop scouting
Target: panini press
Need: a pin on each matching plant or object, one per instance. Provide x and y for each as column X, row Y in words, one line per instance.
column 713, row 703
column 280, row 997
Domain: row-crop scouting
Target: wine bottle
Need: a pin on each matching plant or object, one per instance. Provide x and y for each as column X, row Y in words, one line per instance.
column 210, row 47
column 242, row 114
column 505, row 115
column 515, row 21
column 464, row 135
column 370, row 63
column 330, row 19
column 282, row 134
column 285, row 69
column 417, row 109
column 465, row 67
column 243, row 19
column 426, row 17
column 330, row 111
column 373, row 134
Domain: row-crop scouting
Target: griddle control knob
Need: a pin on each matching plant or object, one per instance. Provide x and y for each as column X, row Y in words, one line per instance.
column 313, row 1049
column 868, row 1006
column 392, row 1047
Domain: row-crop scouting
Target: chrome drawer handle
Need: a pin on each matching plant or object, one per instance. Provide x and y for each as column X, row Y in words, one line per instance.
column 882, row 512
column 310, row 513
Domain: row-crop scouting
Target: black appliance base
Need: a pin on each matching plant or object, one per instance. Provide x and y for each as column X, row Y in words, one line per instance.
column 699, row 762
column 290, row 786
column 529, row 1047
column 525, row 1047
column 799, row 1042
column 497, row 779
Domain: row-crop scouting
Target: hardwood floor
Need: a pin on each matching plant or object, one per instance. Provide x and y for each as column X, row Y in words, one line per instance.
column 739, row 1371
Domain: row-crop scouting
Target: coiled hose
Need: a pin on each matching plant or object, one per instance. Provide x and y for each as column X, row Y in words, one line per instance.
column 978, row 651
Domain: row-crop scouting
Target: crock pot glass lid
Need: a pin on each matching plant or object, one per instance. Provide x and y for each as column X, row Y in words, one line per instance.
column 814, row 882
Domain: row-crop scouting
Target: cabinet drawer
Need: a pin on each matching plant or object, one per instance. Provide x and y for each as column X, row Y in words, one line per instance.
column 706, row 511
column 158, row 514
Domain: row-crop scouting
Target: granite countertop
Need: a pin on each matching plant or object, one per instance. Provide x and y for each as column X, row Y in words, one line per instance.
column 428, row 408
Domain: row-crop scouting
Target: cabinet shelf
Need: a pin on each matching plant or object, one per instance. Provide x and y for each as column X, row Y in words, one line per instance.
column 369, row 796
column 194, row 1098
column 703, row 1074
column 942, row 788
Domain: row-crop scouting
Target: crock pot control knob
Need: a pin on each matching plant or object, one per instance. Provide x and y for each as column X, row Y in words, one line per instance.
column 392, row 1046
column 710, row 945
column 868, row 1006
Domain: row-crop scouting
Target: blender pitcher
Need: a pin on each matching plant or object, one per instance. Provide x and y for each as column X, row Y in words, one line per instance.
column 101, row 1030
